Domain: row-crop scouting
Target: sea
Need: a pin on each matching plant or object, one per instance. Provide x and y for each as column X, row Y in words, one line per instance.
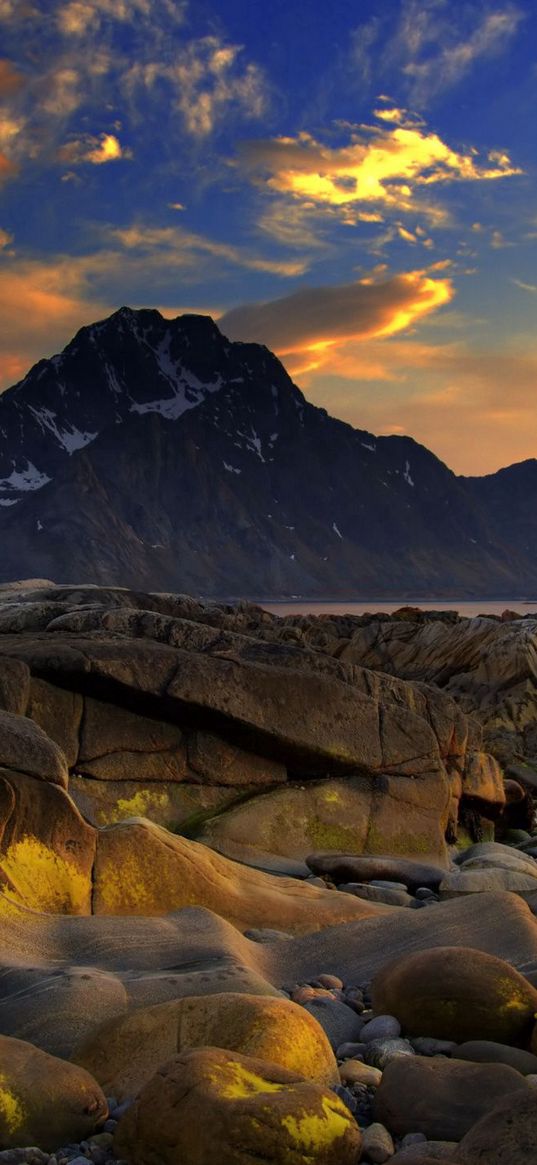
column 470, row 609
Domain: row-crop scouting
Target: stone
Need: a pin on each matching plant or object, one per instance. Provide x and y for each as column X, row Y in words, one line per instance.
column 425, row 1153
column 58, row 712
column 175, row 805
column 427, row 1046
column 456, row 993
column 214, row 1105
column 488, row 1052
column 478, row 881
column 340, row 1022
column 382, row 1027
column 506, row 1135
column 142, row 869
column 117, row 744
column 377, row 894
column 47, row 850
column 347, row 867
column 44, row 1101
column 219, row 763
column 57, row 1008
column 126, row 1052
column 14, row 686
column 439, row 1097
column 25, row 748
column 380, row 1052
column 354, row 1072
column 377, row 1144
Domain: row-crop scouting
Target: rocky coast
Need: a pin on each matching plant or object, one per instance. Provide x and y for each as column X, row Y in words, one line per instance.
column 268, row 885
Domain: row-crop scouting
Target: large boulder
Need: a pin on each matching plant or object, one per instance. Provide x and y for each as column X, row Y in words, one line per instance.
column 142, row 869
column 118, row 744
column 213, row 1105
column 176, row 805
column 45, row 1101
column 348, row 867
column 507, row 1135
column 127, row 1051
column 439, row 1097
column 47, row 850
column 27, row 749
column 457, row 993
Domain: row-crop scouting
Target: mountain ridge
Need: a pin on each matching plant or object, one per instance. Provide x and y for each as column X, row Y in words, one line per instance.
column 157, row 453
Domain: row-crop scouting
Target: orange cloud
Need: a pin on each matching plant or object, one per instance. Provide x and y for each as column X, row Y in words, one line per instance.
column 94, row 150
column 8, row 169
column 10, row 79
column 313, row 323
column 175, row 247
column 383, row 167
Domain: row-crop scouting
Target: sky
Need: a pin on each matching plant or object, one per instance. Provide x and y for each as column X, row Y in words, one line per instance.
column 353, row 184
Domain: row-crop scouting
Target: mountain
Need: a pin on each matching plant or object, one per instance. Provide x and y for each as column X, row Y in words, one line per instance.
column 157, row 454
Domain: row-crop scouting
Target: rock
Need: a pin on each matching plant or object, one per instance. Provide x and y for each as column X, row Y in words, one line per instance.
column 354, row 1072
column 377, row 894
column 382, row 1027
column 219, row 763
column 442, row 1098
column 58, row 1008
column 124, row 1053
column 425, row 1153
column 377, row 1144
column 331, row 982
column 343, row 867
column 117, row 744
column 457, row 993
column 213, row 1105
column 427, row 1046
column 175, row 805
column 488, row 1052
column 380, row 1052
column 25, row 748
column 142, row 869
column 47, row 850
column 506, row 1135
column 44, row 1101
column 59, row 713
column 482, row 880
column 14, row 686
column 340, row 1022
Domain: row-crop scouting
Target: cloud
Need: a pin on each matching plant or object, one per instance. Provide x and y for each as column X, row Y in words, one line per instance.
column 11, row 81
column 435, row 45
column 95, row 150
column 379, row 168
column 207, row 80
column 316, row 323
column 532, row 287
column 174, row 247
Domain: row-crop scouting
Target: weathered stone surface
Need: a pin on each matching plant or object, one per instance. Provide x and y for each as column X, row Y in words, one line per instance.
column 176, row 805
column 488, row 1052
column 27, row 749
column 14, row 686
column 44, row 1101
column 218, row 763
column 344, row 867
column 142, row 869
column 441, row 1098
column 125, row 1053
column 483, row 779
column 117, row 744
column 215, row 1105
column 59, row 713
column 477, row 881
column 507, row 1134
column 46, row 849
column 58, row 1008
column 457, row 993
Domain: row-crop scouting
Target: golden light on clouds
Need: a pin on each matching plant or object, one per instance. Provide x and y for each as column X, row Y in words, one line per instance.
column 316, row 321
column 380, row 166
column 93, row 150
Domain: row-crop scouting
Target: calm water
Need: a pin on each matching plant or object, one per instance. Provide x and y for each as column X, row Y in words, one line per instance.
column 470, row 609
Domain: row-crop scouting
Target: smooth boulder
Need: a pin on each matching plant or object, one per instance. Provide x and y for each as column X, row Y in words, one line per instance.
column 212, row 1105
column 505, row 1136
column 45, row 1101
column 124, row 1053
column 439, row 1097
column 457, row 993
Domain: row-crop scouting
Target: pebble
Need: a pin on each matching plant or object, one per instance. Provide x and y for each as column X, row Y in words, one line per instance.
column 424, row 893
column 380, row 1052
column 346, row 1096
column 413, row 1139
column 340, row 1023
column 349, row 1051
column 427, row 1046
column 304, row 993
column 355, row 1072
column 384, row 884
column 382, row 1027
column 377, row 1144
column 331, row 982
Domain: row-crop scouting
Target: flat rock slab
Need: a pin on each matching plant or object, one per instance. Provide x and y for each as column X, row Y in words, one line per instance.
column 352, row 868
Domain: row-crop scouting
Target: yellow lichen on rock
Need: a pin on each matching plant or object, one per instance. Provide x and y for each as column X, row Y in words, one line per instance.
column 11, row 1109
column 312, row 1131
column 241, row 1083
column 44, row 880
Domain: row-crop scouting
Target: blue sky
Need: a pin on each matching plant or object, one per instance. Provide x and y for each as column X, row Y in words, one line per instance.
column 353, row 184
